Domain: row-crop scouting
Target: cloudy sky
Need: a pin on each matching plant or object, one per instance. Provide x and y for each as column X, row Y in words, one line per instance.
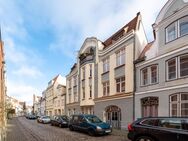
column 41, row 37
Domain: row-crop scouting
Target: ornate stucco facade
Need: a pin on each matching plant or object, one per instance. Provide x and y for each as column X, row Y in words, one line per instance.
column 103, row 76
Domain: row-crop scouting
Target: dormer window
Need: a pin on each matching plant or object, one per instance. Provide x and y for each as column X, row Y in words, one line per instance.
column 177, row 29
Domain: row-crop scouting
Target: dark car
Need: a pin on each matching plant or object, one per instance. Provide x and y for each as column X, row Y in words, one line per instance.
column 31, row 117
column 90, row 124
column 60, row 120
column 159, row 129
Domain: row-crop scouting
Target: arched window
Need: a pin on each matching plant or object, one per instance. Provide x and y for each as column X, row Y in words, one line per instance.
column 149, row 106
column 179, row 104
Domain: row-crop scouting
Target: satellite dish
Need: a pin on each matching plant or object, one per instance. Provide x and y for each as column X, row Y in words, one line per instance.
column 185, row 1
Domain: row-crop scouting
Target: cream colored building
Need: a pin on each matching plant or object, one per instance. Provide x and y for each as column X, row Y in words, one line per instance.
column 114, row 100
column 51, row 94
column 59, row 100
column 81, row 81
column 103, row 77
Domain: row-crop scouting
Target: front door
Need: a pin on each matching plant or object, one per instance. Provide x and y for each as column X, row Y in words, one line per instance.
column 113, row 116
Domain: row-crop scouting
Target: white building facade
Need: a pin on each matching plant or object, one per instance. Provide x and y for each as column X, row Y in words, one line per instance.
column 162, row 69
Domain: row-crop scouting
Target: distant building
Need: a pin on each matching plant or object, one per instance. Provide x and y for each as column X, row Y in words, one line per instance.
column 36, row 105
column 59, row 100
column 16, row 105
column 52, row 95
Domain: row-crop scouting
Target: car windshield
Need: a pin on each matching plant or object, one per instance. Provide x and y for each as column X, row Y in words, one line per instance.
column 93, row 119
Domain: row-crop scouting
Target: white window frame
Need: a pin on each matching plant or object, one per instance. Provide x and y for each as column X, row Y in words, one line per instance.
column 179, row 76
column 177, row 30
column 179, row 102
column 106, row 65
column 106, row 86
column 157, row 75
column 142, row 77
column 120, row 57
column 167, row 72
column 120, row 84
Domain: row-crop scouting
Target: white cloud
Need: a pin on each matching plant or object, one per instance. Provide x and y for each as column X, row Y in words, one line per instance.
column 21, row 91
column 26, row 71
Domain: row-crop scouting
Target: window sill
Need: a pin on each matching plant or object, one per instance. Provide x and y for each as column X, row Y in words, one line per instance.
column 119, row 66
column 149, row 84
column 105, row 73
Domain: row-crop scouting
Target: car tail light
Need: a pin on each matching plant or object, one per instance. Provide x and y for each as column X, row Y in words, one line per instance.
column 130, row 127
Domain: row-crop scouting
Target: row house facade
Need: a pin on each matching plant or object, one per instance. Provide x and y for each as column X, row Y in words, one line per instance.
column 103, row 77
column 54, row 96
column 82, row 80
column 2, row 91
column 162, row 68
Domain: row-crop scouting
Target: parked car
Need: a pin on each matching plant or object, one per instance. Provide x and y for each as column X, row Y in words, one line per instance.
column 39, row 119
column 60, row 120
column 31, row 117
column 44, row 119
column 90, row 124
column 159, row 129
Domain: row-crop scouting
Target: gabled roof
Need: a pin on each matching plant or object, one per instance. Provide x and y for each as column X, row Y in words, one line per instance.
column 146, row 48
column 125, row 29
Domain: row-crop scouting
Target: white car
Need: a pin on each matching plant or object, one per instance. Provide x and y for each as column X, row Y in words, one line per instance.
column 44, row 119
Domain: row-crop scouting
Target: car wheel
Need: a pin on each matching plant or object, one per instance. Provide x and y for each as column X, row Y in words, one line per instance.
column 71, row 128
column 144, row 138
column 91, row 132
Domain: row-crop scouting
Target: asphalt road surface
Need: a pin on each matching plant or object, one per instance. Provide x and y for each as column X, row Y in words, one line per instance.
column 22, row 129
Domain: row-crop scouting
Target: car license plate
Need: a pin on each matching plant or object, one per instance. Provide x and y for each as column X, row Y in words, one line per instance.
column 108, row 131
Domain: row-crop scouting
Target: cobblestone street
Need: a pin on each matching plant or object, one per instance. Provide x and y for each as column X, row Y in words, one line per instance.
column 22, row 129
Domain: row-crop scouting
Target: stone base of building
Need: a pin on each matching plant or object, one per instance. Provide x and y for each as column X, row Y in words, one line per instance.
column 117, row 112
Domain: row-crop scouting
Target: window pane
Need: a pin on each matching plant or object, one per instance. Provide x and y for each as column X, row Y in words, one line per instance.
column 172, row 69
column 183, row 26
column 170, row 123
column 184, row 109
column 174, row 110
column 154, row 74
column 171, row 32
column 174, row 98
column 118, row 87
column 184, row 66
column 145, row 76
column 184, row 96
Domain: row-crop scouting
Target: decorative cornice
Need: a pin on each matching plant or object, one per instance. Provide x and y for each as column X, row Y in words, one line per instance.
column 115, row 96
